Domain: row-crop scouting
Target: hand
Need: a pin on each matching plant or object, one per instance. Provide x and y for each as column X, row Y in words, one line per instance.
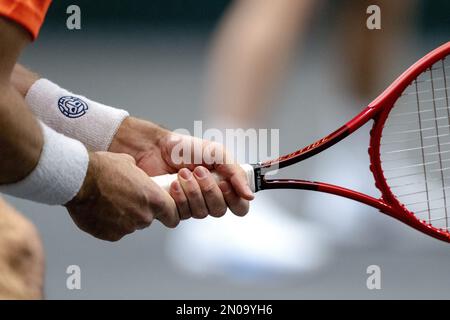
column 118, row 198
column 196, row 193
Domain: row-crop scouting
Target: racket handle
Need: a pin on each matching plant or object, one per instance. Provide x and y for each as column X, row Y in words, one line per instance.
column 166, row 180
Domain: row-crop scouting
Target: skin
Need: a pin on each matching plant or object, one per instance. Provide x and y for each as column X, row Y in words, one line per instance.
column 267, row 32
column 16, row 121
column 21, row 256
column 117, row 196
column 196, row 193
column 21, row 253
column 105, row 206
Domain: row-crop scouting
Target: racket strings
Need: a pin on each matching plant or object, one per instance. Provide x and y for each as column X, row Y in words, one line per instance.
column 415, row 146
column 421, row 92
column 417, row 182
column 415, row 165
column 408, row 140
column 417, row 130
column 401, row 114
column 413, row 121
column 418, row 192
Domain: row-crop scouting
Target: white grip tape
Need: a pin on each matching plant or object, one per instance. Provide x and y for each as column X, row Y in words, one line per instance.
column 166, row 180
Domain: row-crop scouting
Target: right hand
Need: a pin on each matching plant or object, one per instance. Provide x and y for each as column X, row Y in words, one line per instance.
column 118, row 198
column 195, row 192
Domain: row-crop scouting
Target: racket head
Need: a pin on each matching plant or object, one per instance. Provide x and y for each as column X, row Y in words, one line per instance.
column 410, row 133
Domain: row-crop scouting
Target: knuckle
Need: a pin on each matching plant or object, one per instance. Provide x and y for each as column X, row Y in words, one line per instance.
column 239, row 207
column 221, row 212
column 142, row 216
column 185, row 216
column 241, row 211
column 193, row 193
column 157, row 203
column 209, row 189
column 184, row 212
column 129, row 229
column 200, row 214
column 181, row 202
column 173, row 224
column 217, row 214
column 114, row 237
column 147, row 220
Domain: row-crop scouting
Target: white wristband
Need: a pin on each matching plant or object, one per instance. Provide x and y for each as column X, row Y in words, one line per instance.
column 59, row 174
column 88, row 121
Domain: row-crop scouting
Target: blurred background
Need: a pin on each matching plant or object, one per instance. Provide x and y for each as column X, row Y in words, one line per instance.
column 154, row 59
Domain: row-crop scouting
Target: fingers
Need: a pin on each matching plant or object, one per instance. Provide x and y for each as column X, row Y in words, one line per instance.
column 237, row 205
column 197, row 194
column 166, row 209
column 218, row 158
column 211, row 192
column 181, row 201
column 179, row 151
column 193, row 193
column 238, row 178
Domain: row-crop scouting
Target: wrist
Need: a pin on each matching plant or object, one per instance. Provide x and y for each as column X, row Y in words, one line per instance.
column 89, row 188
column 92, row 123
column 59, row 173
column 135, row 136
column 22, row 79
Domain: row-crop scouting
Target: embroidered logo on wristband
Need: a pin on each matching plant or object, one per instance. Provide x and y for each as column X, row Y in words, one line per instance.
column 72, row 107
column 90, row 122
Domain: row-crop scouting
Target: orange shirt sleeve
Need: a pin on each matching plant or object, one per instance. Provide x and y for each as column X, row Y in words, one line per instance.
column 30, row 14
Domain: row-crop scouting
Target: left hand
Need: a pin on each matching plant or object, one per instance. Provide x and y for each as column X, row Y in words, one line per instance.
column 196, row 193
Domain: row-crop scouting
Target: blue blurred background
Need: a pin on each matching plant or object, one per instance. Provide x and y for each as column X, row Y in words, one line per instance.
column 150, row 58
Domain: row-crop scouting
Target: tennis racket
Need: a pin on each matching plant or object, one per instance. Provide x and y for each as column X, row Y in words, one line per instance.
column 409, row 150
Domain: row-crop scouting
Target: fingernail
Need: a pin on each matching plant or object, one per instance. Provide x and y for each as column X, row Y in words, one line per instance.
column 176, row 186
column 200, row 172
column 185, row 174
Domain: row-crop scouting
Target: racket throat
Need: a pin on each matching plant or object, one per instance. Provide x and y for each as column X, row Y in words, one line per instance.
column 326, row 188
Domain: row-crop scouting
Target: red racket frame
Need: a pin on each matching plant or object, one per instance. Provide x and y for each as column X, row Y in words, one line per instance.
column 378, row 111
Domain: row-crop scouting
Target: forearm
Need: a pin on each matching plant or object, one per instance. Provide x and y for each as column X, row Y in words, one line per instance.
column 125, row 140
column 21, row 139
column 74, row 115
column 36, row 163
column 22, row 79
